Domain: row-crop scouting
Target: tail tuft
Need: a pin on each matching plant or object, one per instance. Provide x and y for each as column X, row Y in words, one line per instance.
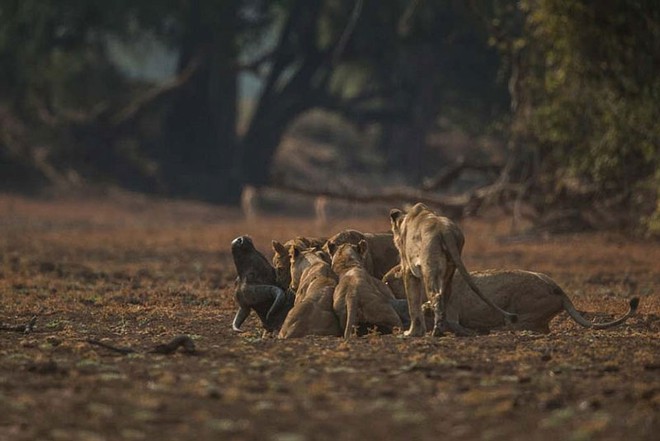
column 634, row 303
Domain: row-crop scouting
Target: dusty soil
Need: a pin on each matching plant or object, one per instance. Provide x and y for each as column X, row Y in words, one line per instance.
column 135, row 272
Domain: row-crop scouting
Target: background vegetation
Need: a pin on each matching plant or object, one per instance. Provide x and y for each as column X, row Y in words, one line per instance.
column 192, row 98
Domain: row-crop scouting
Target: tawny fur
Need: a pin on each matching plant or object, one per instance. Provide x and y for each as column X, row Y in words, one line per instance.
column 382, row 254
column 535, row 297
column 430, row 249
column 282, row 261
column 360, row 299
column 312, row 312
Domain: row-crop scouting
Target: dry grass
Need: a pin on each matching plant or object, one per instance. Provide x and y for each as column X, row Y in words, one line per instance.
column 135, row 272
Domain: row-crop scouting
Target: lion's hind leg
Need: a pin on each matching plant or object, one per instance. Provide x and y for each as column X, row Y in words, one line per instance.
column 446, row 318
column 433, row 285
column 415, row 298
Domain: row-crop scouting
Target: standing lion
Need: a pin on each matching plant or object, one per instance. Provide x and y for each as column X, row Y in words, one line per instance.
column 430, row 247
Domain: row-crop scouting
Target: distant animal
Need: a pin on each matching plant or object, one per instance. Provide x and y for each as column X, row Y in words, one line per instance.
column 321, row 209
column 361, row 300
column 534, row 297
column 255, row 287
column 314, row 282
column 282, row 259
column 430, row 250
column 382, row 254
column 250, row 202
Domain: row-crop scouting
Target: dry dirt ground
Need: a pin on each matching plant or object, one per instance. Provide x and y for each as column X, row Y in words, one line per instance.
column 135, row 272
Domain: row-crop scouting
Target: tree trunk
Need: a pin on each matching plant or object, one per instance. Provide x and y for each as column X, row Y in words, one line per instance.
column 404, row 142
column 200, row 131
column 282, row 100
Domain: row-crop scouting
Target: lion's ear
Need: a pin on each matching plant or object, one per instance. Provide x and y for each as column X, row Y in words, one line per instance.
column 294, row 251
column 419, row 207
column 363, row 247
column 279, row 248
column 395, row 215
column 325, row 256
column 303, row 240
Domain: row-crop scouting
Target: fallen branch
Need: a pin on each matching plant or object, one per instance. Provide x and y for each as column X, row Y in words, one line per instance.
column 451, row 206
column 449, row 174
column 458, row 206
column 183, row 341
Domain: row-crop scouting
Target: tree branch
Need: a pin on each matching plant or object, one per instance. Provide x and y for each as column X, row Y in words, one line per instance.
column 404, row 23
column 255, row 64
column 452, row 206
column 348, row 32
column 103, row 110
column 134, row 108
column 449, row 174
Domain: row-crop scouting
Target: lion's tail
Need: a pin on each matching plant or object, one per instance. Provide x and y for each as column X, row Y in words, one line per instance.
column 351, row 316
column 575, row 315
column 455, row 255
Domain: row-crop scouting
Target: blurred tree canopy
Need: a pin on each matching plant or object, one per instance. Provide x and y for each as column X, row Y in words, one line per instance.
column 571, row 86
column 590, row 105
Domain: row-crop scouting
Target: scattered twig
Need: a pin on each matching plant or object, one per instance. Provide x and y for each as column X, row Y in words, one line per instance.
column 183, row 341
column 25, row 329
column 111, row 347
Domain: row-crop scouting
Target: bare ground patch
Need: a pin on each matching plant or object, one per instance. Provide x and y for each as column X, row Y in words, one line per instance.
column 136, row 273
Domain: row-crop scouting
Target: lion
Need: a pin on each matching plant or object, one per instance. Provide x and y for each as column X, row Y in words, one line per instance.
column 534, row 297
column 282, row 261
column 382, row 254
column 256, row 288
column 314, row 283
column 430, row 249
column 394, row 281
column 361, row 299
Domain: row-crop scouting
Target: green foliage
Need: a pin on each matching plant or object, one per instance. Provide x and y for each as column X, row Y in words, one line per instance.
column 593, row 88
column 53, row 57
column 652, row 222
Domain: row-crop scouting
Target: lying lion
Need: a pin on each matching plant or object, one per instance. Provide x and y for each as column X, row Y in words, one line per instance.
column 314, row 283
column 361, row 299
column 281, row 258
column 535, row 297
column 382, row 254
column 430, row 248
